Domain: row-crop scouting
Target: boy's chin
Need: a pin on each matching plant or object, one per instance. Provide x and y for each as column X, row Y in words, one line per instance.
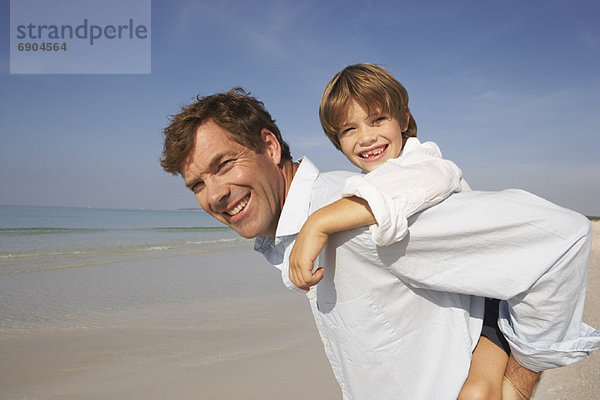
column 370, row 166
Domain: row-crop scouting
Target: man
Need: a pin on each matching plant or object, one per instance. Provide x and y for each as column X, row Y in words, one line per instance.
column 390, row 326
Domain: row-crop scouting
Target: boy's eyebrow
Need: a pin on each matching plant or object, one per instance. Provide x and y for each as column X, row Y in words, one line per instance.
column 343, row 127
column 343, row 121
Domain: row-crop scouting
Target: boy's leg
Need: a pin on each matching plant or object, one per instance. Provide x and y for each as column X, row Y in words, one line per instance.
column 488, row 363
column 486, row 373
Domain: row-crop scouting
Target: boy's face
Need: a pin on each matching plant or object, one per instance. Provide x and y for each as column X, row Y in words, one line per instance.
column 369, row 141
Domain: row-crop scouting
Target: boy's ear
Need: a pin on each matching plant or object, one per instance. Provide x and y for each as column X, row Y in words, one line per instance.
column 272, row 145
column 404, row 127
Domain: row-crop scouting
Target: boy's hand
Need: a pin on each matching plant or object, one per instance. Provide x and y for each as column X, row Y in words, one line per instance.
column 345, row 213
column 308, row 245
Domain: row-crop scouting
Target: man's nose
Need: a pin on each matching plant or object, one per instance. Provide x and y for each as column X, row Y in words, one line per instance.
column 217, row 195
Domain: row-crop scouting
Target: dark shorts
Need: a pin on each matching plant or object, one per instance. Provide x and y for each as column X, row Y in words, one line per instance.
column 490, row 327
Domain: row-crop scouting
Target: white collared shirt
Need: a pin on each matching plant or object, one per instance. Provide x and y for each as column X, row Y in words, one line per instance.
column 389, row 326
column 383, row 339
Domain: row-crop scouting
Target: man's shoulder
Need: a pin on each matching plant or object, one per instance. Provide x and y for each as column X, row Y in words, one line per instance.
column 327, row 188
column 334, row 178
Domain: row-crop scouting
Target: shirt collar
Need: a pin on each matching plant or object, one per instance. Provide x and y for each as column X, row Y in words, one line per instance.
column 297, row 204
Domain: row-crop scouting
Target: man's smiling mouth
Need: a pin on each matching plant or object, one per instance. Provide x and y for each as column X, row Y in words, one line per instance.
column 239, row 207
column 373, row 153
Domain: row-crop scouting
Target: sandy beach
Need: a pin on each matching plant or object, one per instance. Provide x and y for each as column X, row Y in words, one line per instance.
column 199, row 334
column 164, row 330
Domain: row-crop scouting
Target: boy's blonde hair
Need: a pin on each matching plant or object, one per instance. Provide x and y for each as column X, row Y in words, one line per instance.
column 374, row 88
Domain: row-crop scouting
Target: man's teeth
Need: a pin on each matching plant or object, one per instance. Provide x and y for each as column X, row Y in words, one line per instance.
column 239, row 207
column 372, row 153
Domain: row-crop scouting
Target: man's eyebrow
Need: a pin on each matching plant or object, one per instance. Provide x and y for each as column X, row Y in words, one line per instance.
column 190, row 184
column 212, row 165
column 218, row 158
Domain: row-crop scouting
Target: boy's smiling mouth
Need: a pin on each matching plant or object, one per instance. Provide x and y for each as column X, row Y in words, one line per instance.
column 373, row 154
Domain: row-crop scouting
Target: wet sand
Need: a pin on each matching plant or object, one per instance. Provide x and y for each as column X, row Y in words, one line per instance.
column 196, row 344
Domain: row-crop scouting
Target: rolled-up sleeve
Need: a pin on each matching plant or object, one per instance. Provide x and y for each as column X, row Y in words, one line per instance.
column 402, row 187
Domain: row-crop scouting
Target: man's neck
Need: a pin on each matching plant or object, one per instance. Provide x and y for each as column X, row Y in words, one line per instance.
column 288, row 170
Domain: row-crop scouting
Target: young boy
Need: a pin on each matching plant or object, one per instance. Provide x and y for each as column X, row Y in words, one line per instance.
column 364, row 112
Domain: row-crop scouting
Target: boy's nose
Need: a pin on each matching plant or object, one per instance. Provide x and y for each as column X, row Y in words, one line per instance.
column 367, row 137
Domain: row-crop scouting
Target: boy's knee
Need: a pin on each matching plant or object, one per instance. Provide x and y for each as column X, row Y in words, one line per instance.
column 479, row 390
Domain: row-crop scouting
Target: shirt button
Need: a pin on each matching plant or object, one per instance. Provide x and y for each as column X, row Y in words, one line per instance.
column 343, row 386
column 311, row 295
column 325, row 342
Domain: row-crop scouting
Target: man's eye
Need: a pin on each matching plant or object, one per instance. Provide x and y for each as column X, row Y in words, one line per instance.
column 380, row 119
column 197, row 186
column 225, row 165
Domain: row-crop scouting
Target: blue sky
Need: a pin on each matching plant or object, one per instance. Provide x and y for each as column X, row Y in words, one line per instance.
column 510, row 90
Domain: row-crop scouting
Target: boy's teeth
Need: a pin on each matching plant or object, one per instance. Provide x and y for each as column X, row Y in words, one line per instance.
column 239, row 207
column 372, row 153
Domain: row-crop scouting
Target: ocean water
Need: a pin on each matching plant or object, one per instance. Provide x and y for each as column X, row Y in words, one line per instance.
column 76, row 266
column 46, row 238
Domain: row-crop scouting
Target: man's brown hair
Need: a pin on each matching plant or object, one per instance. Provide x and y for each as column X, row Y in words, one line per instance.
column 371, row 86
column 242, row 115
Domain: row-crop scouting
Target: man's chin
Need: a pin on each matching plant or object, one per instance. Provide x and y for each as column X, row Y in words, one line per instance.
column 249, row 232
column 246, row 235
column 245, row 227
column 245, row 231
column 240, row 230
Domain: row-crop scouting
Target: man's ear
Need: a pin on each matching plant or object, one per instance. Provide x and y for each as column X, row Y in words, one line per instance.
column 272, row 145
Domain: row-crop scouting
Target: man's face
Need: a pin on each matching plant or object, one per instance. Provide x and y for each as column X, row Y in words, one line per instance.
column 239, row 187
column 370, row 140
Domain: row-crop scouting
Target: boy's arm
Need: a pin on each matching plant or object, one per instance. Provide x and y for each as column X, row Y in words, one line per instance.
column 343, row 214
column 403, row 186
column 397, row 190
column 413, row 182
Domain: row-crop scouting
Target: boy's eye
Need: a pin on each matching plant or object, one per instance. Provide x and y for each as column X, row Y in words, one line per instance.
column 345, row 131
column 380, row 119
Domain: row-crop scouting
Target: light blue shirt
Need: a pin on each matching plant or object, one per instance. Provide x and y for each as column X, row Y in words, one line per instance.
column 392, row 322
